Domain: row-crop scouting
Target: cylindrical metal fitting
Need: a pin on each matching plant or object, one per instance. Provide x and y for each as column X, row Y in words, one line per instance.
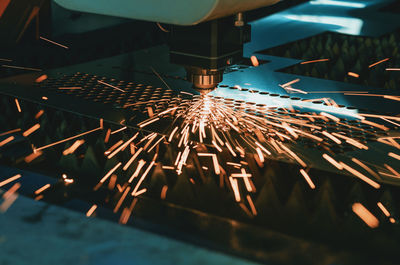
column 204, row 79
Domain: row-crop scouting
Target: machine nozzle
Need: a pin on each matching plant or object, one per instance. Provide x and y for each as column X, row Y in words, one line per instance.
column 204, row 80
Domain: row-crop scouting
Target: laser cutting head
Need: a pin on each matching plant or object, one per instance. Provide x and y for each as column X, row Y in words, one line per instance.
column 207, row 49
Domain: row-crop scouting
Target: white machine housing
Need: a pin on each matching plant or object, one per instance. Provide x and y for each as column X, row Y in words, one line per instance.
column 178, row 12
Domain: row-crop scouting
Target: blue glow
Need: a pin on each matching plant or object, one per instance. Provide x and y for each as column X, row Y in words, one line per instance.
column 338, row 3
column 349, row 25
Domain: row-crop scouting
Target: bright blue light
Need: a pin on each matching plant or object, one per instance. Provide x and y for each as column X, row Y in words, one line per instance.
column 338, row 3
column 349, row 25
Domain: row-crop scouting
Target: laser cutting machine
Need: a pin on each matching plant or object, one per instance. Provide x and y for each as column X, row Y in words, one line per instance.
column 103, row 63
column 205, row 36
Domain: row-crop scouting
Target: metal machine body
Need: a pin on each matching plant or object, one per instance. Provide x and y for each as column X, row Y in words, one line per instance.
column 213, row 41
column 207, row 49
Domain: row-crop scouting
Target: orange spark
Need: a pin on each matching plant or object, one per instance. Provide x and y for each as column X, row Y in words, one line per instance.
column 383, row 209
column 104, row 83
column 396, row 156
column 364, row 166
column 172, row 134
column 6, row 141
column 68, row 181
column 353, row 74
column 73, row 147
column 387, row 174
column 292, row 154
column 142, row 178
column 254, row 61
column 127, row 212
column 294, row 90
column 5, row 182
column 112, row 148
column 39, row 114
column 155, row 144
column 12, row 131
column 244, row 208
column 41, row 78
column 119, row 130
column 315, row 61
column 91, row 210
column 150, row 111
column 260, row 154
column 333, row 138
column 113, row 181
column 216, row 146
column 70, row 88
column 397, row 98
column 379, row 126
column 249, row 184
column 119, row 188
column 379, row 62
column 7, row 203
column 351, row 141
column 11, row 191
column 164, row 192
column 137, row 171
column 132, row 148
column 109, row 173
column 134, row 156
column 147, row 122
column 291, row 82
column 235, row 188
column 365, row 215
column 397, row 174
column 67, row 139
column 21, row 67
column 40, row 190
column 307, row 178
column 33, row 156
column 121, row 199
column 38, row 198
column 361, row 176
column 140, row 192
column 215, row 161
column 107, row 138
column 252, row 207
column 241, row 175
column 17, row 104
column 178, row 158
column 31, row 130
column 216, row 164
column 330, row 116
column 263, row 148
column 53, row 42
column 123, row 146
column 150, row 140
